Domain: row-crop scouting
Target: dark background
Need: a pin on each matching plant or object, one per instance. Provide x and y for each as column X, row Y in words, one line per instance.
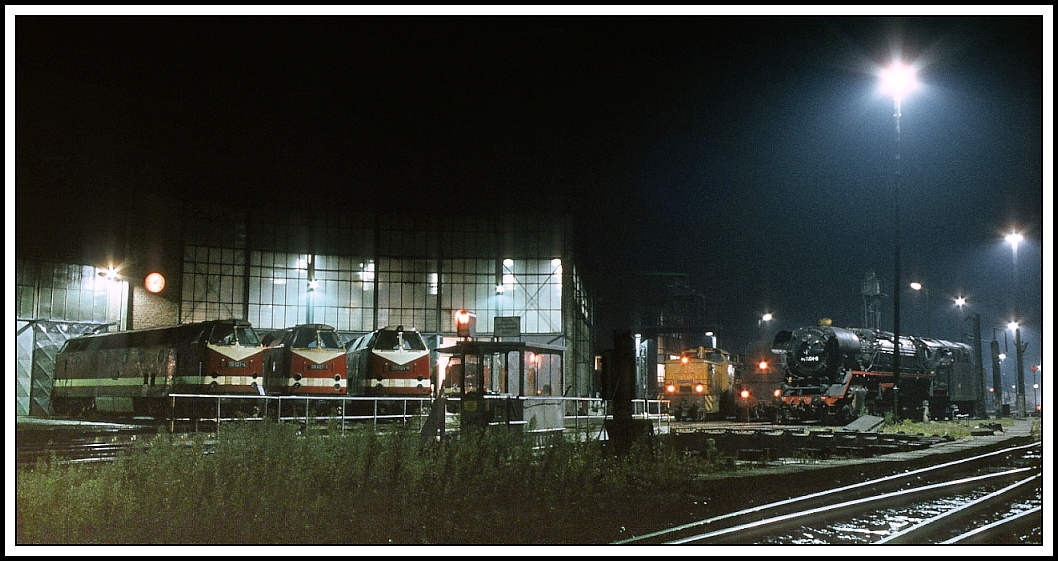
column 753, row 154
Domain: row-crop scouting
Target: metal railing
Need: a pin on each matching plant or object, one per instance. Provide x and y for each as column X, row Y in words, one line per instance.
column 577, row 413
column 342, row 410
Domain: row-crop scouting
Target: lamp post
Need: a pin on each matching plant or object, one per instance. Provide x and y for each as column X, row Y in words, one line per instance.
column 1014, row 238
column 1035, row 390
column 919, row 287
column 981, row 383
column 762, row 324
column 897, row 80
column 1038, row 406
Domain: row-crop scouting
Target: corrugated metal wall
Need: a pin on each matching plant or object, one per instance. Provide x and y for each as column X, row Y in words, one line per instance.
column 23, row 366
column 38, row 344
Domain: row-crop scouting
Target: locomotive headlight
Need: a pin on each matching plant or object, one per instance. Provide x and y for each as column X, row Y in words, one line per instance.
column 777, row 393
column 745, row 394
column 670, row 388
column 699, row 388
column 685, row 360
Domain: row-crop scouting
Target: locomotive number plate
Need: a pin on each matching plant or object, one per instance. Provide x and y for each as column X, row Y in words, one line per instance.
column 400, row 367
column 236, row 364
column 319, row 367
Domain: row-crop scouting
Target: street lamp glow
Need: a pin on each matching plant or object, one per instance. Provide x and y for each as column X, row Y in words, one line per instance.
column 898, row 80
column 110, row 273
column 766, row 317
column 916, row 286
column 1014, row 239
column 1013, row 326
column 960, row 301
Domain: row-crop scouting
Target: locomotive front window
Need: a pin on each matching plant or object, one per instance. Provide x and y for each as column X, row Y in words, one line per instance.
column 305, row 339
column 329, row 340
column 222, row 335
column 413, row 342
column 247, row 336
column 387, row 341
column 231, row 335
column 400, row 341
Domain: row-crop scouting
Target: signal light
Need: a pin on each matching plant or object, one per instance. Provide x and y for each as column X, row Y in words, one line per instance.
column 699, row 388
column 763, row 365
column 685, row 360
column 745, row 394
column 670, row 388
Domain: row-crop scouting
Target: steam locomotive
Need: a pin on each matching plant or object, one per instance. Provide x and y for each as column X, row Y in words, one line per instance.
column 834, row 375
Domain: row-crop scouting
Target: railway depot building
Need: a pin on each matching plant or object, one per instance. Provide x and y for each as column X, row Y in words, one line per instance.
column 277, row 268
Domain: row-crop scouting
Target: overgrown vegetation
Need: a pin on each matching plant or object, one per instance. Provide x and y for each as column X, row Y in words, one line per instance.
column 953, row 429
column 266, row 484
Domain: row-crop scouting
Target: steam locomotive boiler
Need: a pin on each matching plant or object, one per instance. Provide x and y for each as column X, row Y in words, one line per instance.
column 834, row 375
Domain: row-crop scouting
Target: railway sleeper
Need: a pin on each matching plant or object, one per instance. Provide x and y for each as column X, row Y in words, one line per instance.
column 758, row 454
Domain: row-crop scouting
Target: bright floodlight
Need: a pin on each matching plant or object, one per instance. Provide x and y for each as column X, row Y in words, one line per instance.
column 898, row 80
column 1014, row 239
column 916, row 285
column 766, row 317
column 960, row 301
column 1013, row 326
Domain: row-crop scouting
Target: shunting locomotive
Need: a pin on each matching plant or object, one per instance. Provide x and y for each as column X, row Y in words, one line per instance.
column 698, row 384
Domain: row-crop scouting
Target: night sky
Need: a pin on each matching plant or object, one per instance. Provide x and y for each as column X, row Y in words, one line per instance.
column 754, row 154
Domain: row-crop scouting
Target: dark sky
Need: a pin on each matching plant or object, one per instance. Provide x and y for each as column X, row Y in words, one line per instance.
column 754, row 154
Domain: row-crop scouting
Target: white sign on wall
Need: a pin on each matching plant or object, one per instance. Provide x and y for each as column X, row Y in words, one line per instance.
column 507, row 326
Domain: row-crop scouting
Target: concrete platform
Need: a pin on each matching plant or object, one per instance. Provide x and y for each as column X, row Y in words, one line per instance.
column 1018, row 433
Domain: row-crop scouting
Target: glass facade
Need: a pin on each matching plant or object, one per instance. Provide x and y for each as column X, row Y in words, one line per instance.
column 67, row 292
column 414, row 276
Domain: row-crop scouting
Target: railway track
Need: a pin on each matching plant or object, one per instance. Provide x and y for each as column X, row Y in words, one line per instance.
column 993, row 497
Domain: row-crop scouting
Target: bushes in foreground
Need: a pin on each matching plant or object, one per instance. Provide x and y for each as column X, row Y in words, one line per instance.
column 263, row 483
